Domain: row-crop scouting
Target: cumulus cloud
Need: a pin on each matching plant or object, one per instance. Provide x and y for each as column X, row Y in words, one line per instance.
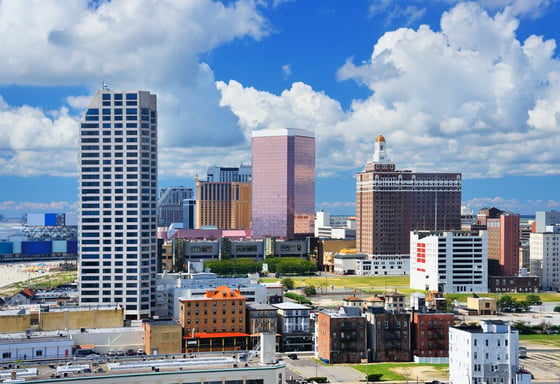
column 33, row 142
column 469, row 98
column 143, row 44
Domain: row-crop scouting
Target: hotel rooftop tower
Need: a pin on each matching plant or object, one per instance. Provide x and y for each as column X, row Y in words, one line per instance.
column 283, row 186
column 118, row 197
column 391, row 203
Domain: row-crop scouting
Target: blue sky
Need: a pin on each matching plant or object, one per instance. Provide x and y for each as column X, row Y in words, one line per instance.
column 471, row 87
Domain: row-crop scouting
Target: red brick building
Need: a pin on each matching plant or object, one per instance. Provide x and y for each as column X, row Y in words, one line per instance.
column 503, row 240
column 388, row 335
column 341, row 335
column 390, row 203
column 430, row 335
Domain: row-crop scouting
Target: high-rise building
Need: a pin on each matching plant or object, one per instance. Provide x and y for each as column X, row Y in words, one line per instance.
column 170, row 205
column 545, row 257
column 283, row 201
column 544, row 219
column 391, row 203
column 240, row 174
column 118, row 197
column 503, row 240
column 223, row 201
column 223, row 205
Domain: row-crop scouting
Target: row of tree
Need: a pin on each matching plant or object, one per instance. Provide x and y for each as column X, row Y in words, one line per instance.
column 506, row 303
column 278, row 265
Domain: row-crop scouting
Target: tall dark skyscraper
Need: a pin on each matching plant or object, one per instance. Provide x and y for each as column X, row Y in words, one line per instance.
column 390, row 203
column 118, row 197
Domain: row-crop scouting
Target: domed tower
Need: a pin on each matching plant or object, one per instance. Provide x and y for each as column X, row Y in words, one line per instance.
column 379, row 154
column 380, row 161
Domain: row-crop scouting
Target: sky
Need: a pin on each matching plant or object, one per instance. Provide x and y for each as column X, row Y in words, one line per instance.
column 470, row 87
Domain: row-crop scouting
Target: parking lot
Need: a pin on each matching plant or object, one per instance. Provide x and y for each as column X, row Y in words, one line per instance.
column 543, row 362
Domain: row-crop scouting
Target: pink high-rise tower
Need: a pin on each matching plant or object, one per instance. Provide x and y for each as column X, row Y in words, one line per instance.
column 283, row 190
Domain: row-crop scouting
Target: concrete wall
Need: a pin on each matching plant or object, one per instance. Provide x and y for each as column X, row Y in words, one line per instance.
column 15, row 323
column 94, row 318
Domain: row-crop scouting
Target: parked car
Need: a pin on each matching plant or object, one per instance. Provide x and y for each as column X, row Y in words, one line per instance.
column 111, row 353
column 120, row 353
column 130, row 352
column 140, row 352
column 292, row 356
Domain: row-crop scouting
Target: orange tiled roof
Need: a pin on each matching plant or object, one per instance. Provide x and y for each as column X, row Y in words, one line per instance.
column 223, row 292
column 353, row 298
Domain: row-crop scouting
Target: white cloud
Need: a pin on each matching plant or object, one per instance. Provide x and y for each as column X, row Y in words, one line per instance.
column 470, row 98
column 287, row 70
column 513, row 205
column 34, row 143
column 13, row 208
column 143, row 44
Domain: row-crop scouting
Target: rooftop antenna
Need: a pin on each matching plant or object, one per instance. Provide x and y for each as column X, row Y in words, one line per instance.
column 105, row 87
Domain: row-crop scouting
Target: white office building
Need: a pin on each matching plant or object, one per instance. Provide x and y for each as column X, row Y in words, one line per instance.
column 544, row 219
column 118, row 197
column 449, row 261
column 485, row 354
column 545, row 257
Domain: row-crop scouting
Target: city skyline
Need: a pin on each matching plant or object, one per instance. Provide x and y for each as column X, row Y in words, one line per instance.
column 454, row 87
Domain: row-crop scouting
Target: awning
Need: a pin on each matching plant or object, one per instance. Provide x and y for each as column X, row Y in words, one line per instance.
column 86, row 346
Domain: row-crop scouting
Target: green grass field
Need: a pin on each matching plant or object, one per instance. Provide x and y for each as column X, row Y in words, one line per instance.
column 380, row 284
column 397, row 371
column 548, row 340
column 41, row 282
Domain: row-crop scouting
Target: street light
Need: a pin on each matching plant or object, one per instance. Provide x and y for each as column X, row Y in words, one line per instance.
column 367, row 366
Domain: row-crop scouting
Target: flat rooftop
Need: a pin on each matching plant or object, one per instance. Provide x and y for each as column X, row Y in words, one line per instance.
column 83, row 368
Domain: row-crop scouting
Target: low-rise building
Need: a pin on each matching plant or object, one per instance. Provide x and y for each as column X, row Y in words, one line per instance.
column 341, row 335
column 215, row 321
column 388, row 335
column 485, row 354
column 514, row 284
column 47, row 318
column 162, row 337
column 261, row 318
column 430, row 337
column 294, row 326
column 482, row 306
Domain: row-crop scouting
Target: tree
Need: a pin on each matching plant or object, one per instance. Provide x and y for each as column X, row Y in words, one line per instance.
column 557, row 308
column 533, row 299
column 288, row 283
column 309, row 290
column 507, row 303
